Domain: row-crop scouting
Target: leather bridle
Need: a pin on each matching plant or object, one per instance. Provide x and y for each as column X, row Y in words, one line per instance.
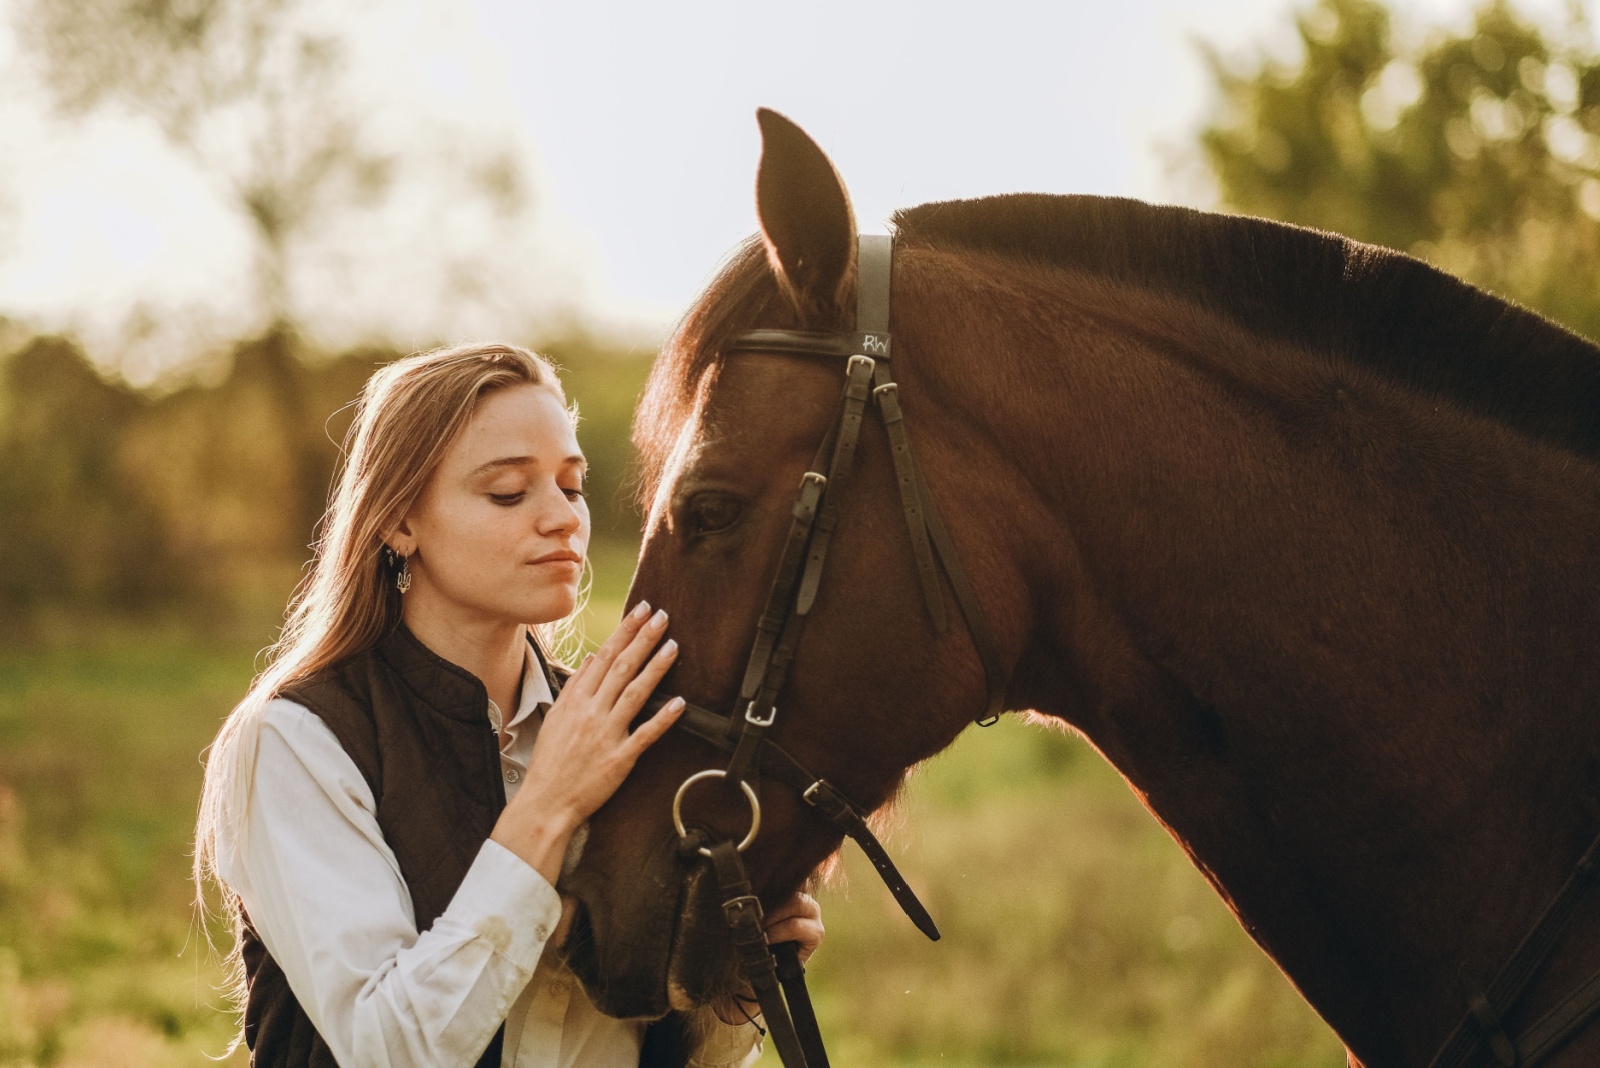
column 778, row 981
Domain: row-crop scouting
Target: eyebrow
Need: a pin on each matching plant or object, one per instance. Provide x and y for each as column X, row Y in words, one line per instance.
column 523, row 461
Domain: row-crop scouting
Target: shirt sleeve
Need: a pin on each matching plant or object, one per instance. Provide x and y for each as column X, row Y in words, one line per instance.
column 727, row 1045
column 323, row 890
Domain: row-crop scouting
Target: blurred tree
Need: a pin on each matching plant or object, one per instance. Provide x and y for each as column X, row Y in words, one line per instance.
column 1479, row 152
column 118, row 500
column 255, row 93
column 79, row 530
column 605, row 383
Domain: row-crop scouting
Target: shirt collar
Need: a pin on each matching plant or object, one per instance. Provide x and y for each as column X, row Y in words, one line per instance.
column 535, row 687
column 535, row 691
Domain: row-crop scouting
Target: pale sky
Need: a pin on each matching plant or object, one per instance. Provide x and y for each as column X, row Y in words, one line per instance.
column 637, row 121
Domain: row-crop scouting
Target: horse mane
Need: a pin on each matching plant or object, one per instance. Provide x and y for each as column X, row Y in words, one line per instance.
column 743, row 288
column 1382, row 310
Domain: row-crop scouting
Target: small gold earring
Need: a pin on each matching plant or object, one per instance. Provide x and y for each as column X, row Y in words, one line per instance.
column 402, row 581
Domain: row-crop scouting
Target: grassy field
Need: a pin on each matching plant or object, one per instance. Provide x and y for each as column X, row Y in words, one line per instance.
column 1075, row 932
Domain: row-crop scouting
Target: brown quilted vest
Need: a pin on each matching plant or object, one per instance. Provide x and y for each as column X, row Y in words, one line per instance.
column 417, row 728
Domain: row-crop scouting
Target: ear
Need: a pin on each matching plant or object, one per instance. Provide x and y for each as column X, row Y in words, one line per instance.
column 806, row 221
column 401, row 539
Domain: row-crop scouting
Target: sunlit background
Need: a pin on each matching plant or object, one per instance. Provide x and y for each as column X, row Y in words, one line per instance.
column 217, row 216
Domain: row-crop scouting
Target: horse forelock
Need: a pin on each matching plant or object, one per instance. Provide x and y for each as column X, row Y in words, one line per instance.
column 743, row 294
column 739, row 292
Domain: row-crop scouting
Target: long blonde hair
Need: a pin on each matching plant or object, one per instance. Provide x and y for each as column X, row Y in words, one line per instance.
column 408, row 415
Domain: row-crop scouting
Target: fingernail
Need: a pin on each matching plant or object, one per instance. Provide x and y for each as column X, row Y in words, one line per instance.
column 669, row 647
column 674, row 705
column 640, row 610
column 659, row 619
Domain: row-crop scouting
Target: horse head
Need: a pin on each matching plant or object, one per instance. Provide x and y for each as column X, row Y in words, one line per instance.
column 726, row 440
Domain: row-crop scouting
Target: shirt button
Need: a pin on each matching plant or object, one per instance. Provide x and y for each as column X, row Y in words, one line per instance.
column 541, row 932
column 512, row 775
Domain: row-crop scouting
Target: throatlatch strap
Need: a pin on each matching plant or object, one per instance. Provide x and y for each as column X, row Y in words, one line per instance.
column 1479, row 1029
column 1546, row 1034
column 971, row 607
column 887, row 395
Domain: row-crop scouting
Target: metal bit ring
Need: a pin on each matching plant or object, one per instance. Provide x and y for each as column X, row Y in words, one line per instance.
column 716, row 773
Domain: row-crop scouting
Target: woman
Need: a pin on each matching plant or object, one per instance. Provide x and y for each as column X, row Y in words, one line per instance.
column 390, row 806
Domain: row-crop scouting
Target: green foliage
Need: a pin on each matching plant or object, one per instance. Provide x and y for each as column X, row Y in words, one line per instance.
column 1075, row 932
column 78, row 530
column 100, row 962
column 1479, row 152
column 605, row 382
column 200, row 504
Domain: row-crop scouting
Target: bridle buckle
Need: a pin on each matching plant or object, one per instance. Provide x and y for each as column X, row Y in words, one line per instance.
column 754, row 720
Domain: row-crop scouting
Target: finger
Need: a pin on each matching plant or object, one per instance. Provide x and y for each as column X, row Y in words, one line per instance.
column 603, row 657
column 637, row 692
column 799, row 904
column 806, row 932
column 578, row 683
column 631, row 659
column 651, row 730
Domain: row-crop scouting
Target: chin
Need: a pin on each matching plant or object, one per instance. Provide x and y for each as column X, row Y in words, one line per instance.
column 548, row 608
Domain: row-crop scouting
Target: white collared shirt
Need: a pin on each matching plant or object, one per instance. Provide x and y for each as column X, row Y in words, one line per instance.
column 324, row 892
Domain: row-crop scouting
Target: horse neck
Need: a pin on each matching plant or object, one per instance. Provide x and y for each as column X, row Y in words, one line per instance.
column 1334, row 635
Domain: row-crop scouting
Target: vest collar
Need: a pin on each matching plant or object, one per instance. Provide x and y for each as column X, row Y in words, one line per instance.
column 450, row 690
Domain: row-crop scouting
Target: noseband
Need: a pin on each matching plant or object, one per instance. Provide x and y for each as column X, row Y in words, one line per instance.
column 779, row 981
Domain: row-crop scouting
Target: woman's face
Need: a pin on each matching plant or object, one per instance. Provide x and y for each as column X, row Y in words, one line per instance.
column 500, row 530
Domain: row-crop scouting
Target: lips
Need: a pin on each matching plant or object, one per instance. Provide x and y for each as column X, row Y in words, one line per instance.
column 560, row 556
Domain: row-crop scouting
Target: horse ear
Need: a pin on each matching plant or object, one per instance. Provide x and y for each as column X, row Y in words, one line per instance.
column 806, row 221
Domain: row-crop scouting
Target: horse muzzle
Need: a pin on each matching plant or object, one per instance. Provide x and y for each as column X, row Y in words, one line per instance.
column 648, row 940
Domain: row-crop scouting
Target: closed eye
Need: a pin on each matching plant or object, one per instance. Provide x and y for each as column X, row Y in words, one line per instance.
column 506, row 500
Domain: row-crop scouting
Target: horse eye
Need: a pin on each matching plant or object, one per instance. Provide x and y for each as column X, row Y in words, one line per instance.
column 711, row 513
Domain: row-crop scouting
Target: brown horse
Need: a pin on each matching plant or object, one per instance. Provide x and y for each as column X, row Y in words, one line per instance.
column 1301, row 534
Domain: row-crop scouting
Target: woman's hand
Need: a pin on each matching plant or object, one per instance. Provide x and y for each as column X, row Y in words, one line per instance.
column 584, row 749
column 798, row 919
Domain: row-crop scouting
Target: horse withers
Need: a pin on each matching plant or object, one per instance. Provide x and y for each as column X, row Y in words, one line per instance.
column 1301, row 534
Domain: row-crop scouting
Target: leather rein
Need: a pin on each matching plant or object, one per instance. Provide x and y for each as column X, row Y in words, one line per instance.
column 774, row 972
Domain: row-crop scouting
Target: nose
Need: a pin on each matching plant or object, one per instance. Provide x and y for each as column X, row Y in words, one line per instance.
column 561, row 516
